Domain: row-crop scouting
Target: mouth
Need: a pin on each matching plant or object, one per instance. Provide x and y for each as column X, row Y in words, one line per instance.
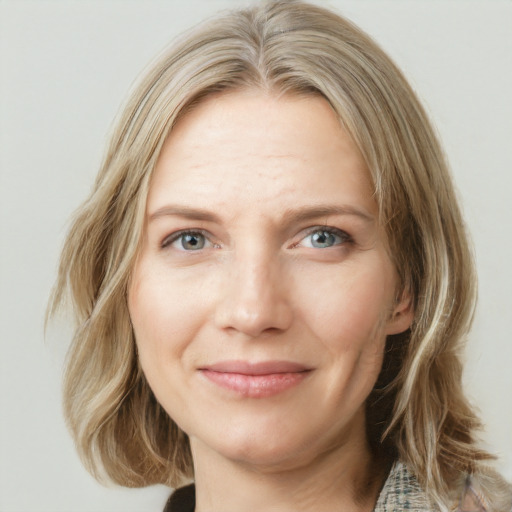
column 256, row 380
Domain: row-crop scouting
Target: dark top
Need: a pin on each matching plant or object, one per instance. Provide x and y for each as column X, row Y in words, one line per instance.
column 182, row 500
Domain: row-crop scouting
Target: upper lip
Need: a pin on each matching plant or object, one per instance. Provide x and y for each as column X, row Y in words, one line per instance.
column 259, row 368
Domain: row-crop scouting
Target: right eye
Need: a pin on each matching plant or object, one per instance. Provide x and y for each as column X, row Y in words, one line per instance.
column 187, row 241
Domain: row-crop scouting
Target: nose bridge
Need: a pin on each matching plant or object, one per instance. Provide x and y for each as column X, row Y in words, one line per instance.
column 255, row 298
column 256, row 275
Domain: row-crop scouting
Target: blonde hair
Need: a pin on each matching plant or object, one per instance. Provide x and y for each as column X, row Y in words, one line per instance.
column 418, row 412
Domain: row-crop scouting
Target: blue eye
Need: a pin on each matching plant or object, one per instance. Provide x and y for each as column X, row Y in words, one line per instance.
column 324, row 238
column 192, row 241
column 187, row 241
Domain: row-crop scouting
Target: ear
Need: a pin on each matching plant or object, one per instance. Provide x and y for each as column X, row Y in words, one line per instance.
column 403, row 314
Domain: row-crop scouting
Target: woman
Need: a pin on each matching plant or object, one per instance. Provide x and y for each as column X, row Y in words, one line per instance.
column 272, row 281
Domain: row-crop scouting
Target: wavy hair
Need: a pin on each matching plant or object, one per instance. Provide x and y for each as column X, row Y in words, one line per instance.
column 417, row 412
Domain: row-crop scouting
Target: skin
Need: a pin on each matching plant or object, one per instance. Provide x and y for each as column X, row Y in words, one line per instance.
column 289, row 264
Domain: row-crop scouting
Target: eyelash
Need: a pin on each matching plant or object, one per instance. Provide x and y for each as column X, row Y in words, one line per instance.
column 342, row 235
column 169, row 240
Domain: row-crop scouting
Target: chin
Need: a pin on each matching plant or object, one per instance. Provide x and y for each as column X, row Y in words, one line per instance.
column 270, row 447
column 265, row 455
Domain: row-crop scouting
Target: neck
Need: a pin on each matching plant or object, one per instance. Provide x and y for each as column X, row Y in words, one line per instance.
column 344, row 478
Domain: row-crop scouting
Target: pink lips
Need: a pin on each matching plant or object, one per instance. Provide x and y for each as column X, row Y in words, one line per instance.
column 256, row 380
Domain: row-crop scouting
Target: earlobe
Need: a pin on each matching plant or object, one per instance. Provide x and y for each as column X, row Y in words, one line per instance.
column 403, row 314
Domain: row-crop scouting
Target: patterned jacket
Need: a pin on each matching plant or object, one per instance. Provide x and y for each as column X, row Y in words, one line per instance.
column 402, row 492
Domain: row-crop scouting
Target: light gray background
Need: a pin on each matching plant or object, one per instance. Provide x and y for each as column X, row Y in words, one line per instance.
column 65, row 67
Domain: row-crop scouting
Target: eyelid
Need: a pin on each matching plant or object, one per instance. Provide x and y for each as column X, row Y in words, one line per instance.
column 345, row 237
column 173, row 237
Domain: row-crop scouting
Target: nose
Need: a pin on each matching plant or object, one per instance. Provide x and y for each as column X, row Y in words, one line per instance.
column 255, row 299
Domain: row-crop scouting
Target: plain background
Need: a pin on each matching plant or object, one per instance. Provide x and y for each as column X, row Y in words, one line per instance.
column 65, row 68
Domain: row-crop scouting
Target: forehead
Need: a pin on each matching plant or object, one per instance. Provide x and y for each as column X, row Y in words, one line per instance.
column 250, row 146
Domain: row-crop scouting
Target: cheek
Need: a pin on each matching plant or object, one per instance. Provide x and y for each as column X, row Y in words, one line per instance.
column 158, row 312
column 349, row 310
column 160, row 328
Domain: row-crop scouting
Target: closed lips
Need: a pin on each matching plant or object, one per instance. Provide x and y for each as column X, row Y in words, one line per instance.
column 256, row 380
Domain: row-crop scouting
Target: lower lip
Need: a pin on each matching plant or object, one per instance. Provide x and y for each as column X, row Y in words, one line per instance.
column 256, row 386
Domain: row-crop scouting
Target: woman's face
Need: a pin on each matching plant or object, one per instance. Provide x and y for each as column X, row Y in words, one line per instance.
column 264, row 290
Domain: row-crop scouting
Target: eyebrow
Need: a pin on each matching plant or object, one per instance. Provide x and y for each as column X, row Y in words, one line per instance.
column 290, row 215
column 185, row 212
column 305, row 213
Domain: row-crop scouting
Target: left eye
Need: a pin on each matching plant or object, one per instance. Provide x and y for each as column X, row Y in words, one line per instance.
column 324, row 238
column 187, row 241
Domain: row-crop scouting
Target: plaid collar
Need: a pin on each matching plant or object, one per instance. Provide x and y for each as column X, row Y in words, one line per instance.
column 401, row 491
